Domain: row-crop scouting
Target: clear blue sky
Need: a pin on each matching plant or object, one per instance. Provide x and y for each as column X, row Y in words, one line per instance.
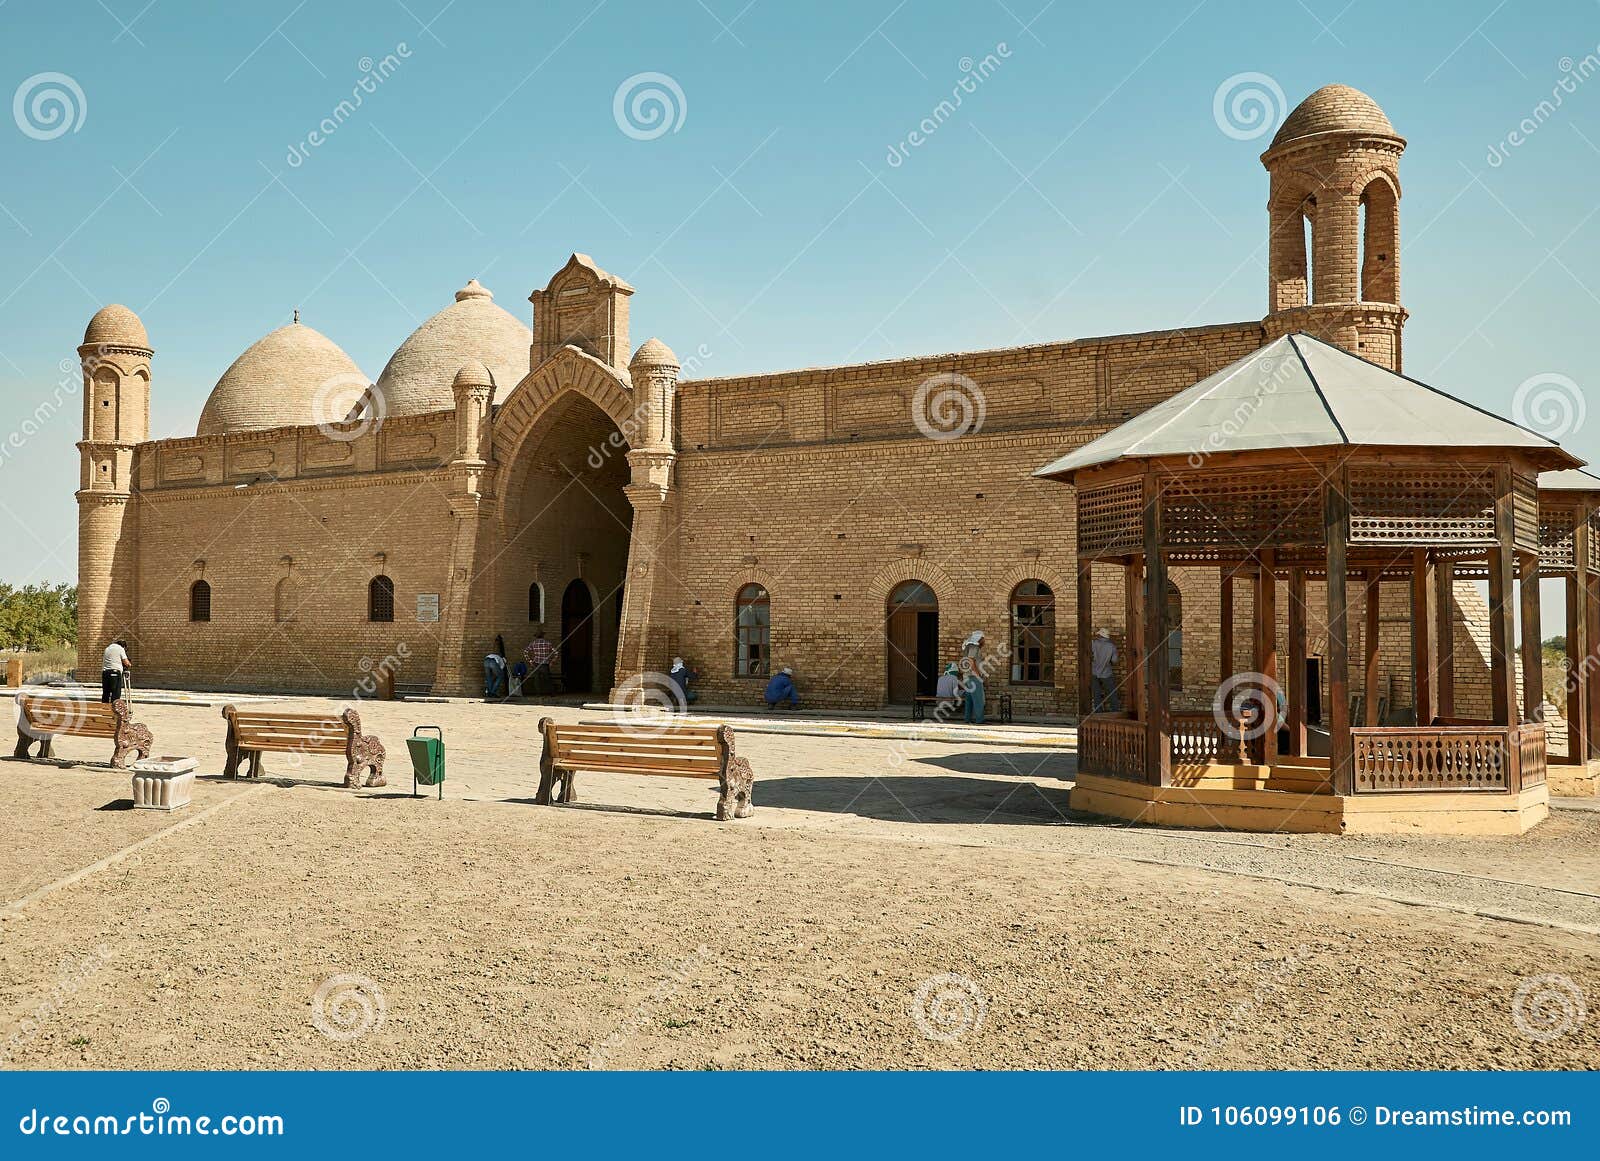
column 1085, row 188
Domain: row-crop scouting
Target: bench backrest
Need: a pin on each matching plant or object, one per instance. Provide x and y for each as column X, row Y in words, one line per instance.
column 286, row 732
column 68, row 715
column 680, row 751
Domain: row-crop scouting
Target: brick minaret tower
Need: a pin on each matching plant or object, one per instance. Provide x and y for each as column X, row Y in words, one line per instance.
column 115, row 358
column 1335, row 165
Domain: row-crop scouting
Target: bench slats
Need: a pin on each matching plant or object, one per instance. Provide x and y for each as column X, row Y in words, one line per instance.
column 673, row 732
column 69, row 717
column 591, row 759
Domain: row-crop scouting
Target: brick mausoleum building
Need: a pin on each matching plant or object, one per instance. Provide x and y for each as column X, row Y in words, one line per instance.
column 853, row 522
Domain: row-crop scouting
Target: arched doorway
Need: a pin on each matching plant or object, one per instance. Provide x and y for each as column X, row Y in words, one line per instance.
column 912, row 631
column 566, row 515
column 577, row 638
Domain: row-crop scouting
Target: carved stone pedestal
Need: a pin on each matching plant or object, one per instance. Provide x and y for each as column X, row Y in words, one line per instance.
column 163, row 783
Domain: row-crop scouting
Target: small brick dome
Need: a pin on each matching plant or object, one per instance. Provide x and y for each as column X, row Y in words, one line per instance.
column 1334, row 109
column 653, row 353
column 115, row 326
column 474, row 374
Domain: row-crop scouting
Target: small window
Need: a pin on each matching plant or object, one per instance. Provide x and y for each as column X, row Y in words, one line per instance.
column 752, row 632
column 1033, row 634
column 380, row 599
column 200, row 601
column 536, row 602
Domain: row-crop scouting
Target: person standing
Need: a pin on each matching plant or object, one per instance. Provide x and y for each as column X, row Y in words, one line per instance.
column 1102, row 672
column 538, row 654
column 114, row 665
column 494, row 672
column 972, row 676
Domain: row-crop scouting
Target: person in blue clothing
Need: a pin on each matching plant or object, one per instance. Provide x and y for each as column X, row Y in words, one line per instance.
column 681, row 676
column 781, row 689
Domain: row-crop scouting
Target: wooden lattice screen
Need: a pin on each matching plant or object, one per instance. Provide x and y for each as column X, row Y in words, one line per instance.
column 1242, row 511
column 1422, row 506
column 1525, row 507
column 1557, row 520
column 1110, row 519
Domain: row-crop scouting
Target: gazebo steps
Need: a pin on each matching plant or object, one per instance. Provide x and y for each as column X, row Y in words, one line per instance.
column 1213, row 806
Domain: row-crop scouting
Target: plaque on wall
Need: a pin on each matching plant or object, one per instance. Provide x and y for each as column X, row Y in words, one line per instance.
column 427, row 606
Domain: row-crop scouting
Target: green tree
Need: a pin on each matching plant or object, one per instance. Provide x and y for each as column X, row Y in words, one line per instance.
column 35, row 617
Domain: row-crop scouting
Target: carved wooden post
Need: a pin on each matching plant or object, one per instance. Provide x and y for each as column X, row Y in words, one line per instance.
column 1422, row 662
column 1502, row 627
column 1085, row 635
column 1532, row 648
column 1133, row 632
column 1444, row 583
column 1298, row 695
column 1336, row 517
column 1265, row 659
column 1225, row 670
column 1578, row 629
column 1369, row 646
column 1157, row 673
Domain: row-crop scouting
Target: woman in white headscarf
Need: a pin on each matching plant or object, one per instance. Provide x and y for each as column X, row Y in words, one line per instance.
column 972, row 676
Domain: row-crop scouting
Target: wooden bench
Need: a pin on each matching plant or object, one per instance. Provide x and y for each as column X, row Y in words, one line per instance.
column 672, row 751
column 43, row 719
column 251, row 732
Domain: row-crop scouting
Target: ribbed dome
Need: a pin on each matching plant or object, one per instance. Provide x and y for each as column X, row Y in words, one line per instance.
column 294, row 376
column 474, row 374
column 653, row 353
column 115, row 326
column 1334, row 109
column 418, row 377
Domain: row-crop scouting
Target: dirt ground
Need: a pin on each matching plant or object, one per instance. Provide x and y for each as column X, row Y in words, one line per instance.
column 891, row 904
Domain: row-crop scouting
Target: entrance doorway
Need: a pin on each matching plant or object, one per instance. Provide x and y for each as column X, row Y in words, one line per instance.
column 577, row 638
column 912, row 629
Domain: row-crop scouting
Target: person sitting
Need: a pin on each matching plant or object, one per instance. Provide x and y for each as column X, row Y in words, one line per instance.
column 948, row 691
column 782, row 689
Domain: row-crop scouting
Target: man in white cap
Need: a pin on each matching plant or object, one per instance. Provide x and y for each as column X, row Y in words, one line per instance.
column 1102, row 663
column 781, row 689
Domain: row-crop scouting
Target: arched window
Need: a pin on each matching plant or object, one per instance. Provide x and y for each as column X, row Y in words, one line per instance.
column 1293, row 243
column 200, row 601
column 1033, row 634
column 380, row 599
column 1380, row 241
column 752, row 628
column 287, row 600
column 1175, row 635
column 536, row 602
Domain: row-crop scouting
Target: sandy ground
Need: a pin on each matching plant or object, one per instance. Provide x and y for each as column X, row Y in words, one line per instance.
column 891, row 904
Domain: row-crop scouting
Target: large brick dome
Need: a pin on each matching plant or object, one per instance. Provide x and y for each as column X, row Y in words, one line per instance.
column 296, row 375
column 1334, row 109
column 418, row 376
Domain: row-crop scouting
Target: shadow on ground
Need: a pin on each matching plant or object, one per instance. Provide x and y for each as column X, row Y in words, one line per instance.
column 915, row 797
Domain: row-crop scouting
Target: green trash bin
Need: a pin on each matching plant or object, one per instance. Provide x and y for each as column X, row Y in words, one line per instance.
column 427, row 760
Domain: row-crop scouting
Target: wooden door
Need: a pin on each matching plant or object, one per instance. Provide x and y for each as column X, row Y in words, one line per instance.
column 903, row 675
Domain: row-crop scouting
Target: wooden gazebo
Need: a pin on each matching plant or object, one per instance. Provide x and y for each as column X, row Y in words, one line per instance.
column 1569, row 550
column 1302, row 462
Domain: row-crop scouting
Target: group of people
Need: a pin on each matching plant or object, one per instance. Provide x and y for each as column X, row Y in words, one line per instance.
column 962, row 680
column 532, row 673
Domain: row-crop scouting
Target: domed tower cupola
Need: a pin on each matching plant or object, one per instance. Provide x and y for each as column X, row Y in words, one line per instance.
column 1334, row 213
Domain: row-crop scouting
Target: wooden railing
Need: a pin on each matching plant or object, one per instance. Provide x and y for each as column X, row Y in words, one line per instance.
column 1531, row 754
column 1391, row 758
column 1198, row 738
column 1112, row 745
